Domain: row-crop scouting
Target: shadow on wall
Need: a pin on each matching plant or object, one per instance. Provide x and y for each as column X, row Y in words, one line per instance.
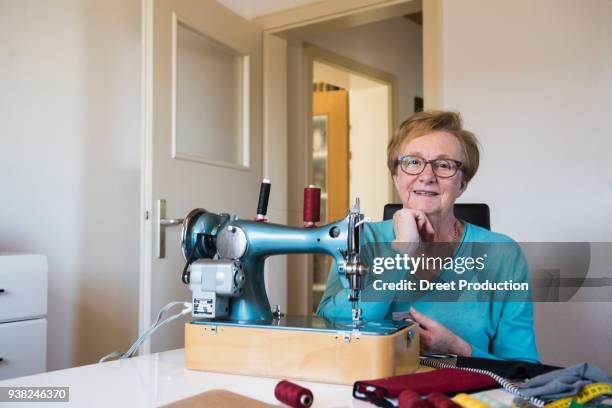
column 578, row 291
column 107, row 305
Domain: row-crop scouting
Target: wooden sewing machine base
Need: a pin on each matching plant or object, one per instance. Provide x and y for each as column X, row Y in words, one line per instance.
column 303, row 348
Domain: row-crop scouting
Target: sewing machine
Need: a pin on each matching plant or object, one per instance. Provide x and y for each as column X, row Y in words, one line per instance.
column 234, row 329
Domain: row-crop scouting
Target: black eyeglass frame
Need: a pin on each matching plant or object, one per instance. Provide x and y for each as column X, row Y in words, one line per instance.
column 399, row 160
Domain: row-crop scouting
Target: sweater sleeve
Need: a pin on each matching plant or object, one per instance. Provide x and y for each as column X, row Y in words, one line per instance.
column 514, row 338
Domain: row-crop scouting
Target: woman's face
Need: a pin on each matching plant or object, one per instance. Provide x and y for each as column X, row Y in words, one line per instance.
column 426, row 191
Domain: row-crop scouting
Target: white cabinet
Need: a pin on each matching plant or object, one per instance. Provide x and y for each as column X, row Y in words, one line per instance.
column 23, row 311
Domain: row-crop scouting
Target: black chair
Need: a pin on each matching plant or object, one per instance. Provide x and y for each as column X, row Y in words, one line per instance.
column 477, row 214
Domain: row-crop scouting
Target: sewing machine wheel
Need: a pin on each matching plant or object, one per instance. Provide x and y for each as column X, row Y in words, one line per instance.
column 186, row 231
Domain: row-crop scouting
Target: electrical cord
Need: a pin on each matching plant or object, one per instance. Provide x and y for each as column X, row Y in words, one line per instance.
column 158, row 323
column 190, row 259
column 185, row 274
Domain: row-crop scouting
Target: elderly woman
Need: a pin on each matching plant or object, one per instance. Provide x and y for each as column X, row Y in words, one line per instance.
column 432, row 159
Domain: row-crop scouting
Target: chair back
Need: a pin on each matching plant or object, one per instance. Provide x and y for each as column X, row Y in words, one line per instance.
column 477, row 214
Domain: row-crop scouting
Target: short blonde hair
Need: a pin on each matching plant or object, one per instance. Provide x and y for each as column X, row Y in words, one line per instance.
column 423, row 123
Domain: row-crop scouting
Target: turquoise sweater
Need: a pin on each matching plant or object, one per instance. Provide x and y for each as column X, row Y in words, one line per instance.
column 497, row 330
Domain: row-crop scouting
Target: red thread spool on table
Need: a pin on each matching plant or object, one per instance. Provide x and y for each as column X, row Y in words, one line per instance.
column 439, row 400
column 411, row 399
column 293, row 395
column 312, row 206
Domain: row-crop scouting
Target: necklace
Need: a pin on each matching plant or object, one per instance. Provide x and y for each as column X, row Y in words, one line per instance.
column 456, row 234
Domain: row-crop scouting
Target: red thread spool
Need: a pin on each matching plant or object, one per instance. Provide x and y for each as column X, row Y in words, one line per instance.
column 293, row 395
column 312, row 206
column 411, row 399
column 439, row 400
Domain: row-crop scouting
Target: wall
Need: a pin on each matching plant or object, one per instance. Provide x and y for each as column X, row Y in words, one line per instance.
column 534, row 81
column 253, row 8
column 393, row 46
column 368, row 114
column 69, row 164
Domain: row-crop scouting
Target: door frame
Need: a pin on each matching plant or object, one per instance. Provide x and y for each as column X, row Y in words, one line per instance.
column 146, row 174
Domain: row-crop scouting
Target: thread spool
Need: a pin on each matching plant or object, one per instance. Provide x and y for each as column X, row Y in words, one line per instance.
column 312, row 206
column 411, row 399
column 439, row 400
column 293, row 395
column 262, row 204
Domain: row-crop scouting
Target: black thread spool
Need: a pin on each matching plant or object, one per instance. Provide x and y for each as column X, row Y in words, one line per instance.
column 262, row 203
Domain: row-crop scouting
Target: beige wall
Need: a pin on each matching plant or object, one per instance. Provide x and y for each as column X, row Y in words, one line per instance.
column 369, row 124
column 393, row 46
column 534, row 81
column 69, row 164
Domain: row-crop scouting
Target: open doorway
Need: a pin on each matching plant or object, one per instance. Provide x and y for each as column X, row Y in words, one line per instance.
column 351, row 124
column 378, row 36
column 377, row 69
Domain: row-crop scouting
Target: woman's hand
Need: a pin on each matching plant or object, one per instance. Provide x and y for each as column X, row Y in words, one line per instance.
column 437, row 339
column 412, row 226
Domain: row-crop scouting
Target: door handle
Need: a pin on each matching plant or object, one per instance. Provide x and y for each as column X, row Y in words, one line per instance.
column 162, row 223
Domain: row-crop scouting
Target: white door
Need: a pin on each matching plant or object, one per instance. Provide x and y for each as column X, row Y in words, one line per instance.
column 203, row 144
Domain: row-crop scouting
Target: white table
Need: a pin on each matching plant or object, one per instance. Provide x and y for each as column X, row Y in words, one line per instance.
column 161, row 378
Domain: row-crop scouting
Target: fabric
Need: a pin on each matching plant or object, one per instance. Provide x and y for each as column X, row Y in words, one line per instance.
column 508, row 369
column 505, row 383
column 563, row 383
column 495, row 330
column 513, row 369
column 592, row 395
column 446, row 381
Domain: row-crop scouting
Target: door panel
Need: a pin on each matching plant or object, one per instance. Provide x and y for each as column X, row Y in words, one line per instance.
column 196, row 157
column 208, row 71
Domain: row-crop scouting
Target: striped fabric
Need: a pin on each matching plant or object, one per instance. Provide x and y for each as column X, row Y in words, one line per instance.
column 447, row 361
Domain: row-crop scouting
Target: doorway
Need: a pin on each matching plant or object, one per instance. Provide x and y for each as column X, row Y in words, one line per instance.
column 351, row 126
column 386, row 51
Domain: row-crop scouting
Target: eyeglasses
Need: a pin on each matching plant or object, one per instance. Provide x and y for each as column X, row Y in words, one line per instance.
column 414, row 165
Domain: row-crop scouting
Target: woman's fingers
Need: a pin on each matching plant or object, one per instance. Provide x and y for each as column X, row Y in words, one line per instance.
column 429, row 226
column 405, row 225
column 424, row 223
column 435, row 338
column 422, row 319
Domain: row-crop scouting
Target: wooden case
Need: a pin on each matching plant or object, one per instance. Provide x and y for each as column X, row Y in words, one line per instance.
column 324, row 356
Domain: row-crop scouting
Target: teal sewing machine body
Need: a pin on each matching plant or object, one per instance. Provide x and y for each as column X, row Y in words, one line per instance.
column 227, row 255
